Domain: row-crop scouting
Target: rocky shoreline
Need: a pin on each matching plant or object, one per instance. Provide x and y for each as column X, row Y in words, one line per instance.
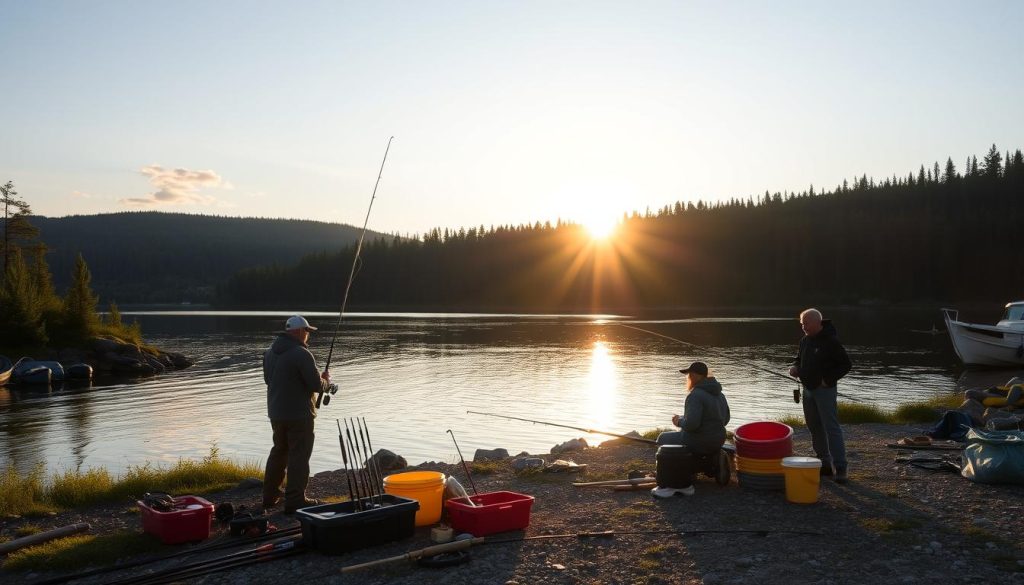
column 892, row 523
column 113, row 357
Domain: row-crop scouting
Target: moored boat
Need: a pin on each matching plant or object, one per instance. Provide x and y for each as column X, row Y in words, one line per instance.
column 78, row 372
column 30, row 371
column 1000, row 345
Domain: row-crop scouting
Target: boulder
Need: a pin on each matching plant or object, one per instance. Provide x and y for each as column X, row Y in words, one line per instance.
column 570, row 445
column 388, row 461
column 250, row 483
column 102, row 345
column 975, row 410
column 524, row 463
column 490, row 454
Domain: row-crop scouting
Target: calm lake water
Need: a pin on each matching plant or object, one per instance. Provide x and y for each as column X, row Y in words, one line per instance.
column 414, row 376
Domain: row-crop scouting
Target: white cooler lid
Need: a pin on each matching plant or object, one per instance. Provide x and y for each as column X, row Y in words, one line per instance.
column 803, row 462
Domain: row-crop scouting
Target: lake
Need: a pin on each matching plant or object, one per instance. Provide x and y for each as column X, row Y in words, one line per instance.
column 414, row 376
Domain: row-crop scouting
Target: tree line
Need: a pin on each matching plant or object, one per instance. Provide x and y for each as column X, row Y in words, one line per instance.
column 942, row 233
column 32, row 314
column 153, row 257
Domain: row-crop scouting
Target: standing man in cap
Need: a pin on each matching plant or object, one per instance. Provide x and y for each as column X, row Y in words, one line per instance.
column 820, row 363
column 705, row 414
column 293, row 383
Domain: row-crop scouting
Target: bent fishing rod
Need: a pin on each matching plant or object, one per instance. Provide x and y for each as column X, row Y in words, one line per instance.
column 355, row 263
column 712, row 352
column 551, row 424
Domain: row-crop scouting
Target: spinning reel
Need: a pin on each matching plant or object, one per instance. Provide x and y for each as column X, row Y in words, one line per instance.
column 325, row 396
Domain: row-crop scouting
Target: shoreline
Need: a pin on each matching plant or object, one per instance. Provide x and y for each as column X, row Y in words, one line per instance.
column 892, row 523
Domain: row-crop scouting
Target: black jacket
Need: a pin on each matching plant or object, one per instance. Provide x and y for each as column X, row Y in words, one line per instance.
column 292, row 380
column 822, row 359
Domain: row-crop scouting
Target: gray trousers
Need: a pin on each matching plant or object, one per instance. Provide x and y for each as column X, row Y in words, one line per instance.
column 822, row 416
column 293, row 446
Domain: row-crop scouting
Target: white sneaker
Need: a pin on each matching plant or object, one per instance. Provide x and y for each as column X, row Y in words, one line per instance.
column 670, row 492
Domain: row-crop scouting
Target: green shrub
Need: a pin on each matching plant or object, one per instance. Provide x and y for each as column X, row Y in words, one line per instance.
column 20, row 494
column 856, row 413
column 75, row 552
column 75, row 488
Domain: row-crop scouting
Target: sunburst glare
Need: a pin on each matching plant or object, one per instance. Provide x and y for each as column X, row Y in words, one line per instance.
column 602, row 387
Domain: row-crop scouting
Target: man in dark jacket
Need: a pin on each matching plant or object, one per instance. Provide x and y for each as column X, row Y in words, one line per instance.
column 293, row 383
column 820, row 364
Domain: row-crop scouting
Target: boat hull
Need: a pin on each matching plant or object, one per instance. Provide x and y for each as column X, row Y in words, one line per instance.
column 985, row 345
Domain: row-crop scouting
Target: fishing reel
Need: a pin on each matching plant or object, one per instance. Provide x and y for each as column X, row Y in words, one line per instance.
column 325, row 396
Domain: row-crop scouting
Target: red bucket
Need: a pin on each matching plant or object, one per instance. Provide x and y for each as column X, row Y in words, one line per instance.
column 764, row 440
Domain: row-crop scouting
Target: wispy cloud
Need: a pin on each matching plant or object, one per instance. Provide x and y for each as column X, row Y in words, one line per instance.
column 81, row 194
column 178, row 187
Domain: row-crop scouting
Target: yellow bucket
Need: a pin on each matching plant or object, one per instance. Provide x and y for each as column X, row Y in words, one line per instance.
column 760, row 466
column 426, row 487
column 803, row 474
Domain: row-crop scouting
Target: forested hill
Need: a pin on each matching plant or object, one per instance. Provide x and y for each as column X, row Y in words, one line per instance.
column 940, row 233
column 152, row 257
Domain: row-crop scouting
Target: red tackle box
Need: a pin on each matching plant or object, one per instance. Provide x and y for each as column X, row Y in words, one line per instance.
column 189, row 521
column 494, row 512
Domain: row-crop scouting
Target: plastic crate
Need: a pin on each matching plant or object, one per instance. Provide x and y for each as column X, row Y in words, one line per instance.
column 334, row 529
column 189, row 521
column 495, row 512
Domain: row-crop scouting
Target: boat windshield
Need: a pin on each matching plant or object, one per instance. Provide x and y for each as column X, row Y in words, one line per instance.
column 1014, row 313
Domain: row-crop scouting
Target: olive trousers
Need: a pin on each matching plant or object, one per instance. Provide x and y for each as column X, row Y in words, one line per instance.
column 293, row 446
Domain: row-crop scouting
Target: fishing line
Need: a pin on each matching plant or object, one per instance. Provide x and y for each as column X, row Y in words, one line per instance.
column 356, row 260
column 726, row 358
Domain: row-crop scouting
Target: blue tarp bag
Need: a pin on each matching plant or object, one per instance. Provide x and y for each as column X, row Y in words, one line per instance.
column 953, row 425
column 994, row 457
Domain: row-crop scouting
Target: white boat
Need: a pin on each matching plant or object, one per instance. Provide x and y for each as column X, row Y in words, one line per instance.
column 1001, row 344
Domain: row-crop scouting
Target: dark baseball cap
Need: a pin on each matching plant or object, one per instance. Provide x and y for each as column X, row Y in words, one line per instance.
column 697, row 368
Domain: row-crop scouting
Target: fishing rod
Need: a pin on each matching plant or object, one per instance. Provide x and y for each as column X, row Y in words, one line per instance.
column 712, row 352
column 585, row 430
column 378, row 481
column 355, row 263
column 361, row 443
column 344, row 459
column 358, row 504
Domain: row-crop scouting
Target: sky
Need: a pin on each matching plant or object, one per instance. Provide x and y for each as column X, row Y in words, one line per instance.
column 502, row 112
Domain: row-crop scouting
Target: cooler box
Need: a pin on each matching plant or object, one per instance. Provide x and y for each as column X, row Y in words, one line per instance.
column 333, row 529
column 189, row 521
column 495, row 512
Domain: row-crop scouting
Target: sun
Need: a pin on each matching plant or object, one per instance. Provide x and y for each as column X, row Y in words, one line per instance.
column 601, row 228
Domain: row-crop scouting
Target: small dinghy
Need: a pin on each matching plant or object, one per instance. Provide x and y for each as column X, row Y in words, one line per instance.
column 78, row 372
column 999, row 345
column 29, row 371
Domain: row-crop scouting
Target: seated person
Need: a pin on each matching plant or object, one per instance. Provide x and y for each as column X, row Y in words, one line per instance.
column 705, row 414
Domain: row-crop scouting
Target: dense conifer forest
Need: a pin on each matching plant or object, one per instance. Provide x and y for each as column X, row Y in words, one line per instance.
column 151, row 257
column 945, row 232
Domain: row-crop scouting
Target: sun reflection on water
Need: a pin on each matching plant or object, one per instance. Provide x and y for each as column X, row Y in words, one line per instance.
column 602, row 388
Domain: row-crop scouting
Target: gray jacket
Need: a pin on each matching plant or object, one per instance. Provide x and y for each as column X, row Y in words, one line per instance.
column 292, row 378
column 705, row 414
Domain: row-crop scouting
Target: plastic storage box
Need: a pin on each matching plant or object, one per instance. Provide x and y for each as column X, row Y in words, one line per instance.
column 495, row 512
column 333, row 529
column 189, row 521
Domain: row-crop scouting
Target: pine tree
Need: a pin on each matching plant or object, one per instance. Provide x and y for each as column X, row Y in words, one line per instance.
column 950, row 175
column 80, row 302
column 17, row 228
column 21, row 317
column 993, row 162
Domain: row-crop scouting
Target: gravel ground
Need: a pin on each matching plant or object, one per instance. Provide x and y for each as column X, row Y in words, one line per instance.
column 892, row 523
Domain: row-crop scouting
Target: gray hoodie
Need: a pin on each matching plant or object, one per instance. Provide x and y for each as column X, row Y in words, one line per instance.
column 705, row 414
column 292, row 378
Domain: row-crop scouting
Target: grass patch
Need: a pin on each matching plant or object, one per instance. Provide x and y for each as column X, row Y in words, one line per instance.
column 856, row 414
column 27, row 530
column 888, row 526
column 852, row 413
column 29, row 494
column 630, row 513
column 793, row 421
column 76, row 552
column 655, row 550
column 653, row 433
column 649, row 565
column 486, row 467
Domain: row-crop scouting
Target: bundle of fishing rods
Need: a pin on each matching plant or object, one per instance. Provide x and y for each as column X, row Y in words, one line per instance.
column 370, row 494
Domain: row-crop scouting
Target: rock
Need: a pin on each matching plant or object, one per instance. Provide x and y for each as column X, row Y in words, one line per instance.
column 975, row 410
column 155, row 364
column 490, row 455
column 102, row 345
column 250, row 483
column 527, row 463
column 744, row 562
column 388, row 461
column 570, row 445
column 179, row 361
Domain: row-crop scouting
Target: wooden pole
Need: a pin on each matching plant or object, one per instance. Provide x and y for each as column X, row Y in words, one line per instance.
column 41, row 537
column 418, row 554
column 633, row 481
